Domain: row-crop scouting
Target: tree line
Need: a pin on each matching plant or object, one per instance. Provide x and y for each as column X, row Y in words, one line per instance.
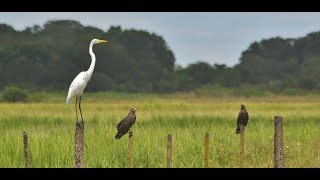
column 49, row 57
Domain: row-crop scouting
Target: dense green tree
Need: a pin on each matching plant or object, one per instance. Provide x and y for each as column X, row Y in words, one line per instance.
column 48, row 57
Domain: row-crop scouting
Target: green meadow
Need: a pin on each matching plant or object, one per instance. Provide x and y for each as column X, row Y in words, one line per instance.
column 50, row 125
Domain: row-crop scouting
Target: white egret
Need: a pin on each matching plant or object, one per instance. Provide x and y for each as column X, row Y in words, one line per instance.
column 80, row 81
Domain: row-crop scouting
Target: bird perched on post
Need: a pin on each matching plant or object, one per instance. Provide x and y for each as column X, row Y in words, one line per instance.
column 126, row 123
column 242, row 120
column 80, row 81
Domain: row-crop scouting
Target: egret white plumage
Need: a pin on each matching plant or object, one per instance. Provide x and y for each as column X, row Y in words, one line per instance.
column 80, row 81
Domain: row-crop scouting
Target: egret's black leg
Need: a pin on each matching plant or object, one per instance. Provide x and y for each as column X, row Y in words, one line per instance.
column 80, row 109
column 76, row 108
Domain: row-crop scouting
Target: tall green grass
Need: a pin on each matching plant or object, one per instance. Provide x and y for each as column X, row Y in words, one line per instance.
column 51, row 129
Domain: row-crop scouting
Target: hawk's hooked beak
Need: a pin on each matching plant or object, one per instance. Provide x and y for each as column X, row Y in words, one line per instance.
column 102, row 41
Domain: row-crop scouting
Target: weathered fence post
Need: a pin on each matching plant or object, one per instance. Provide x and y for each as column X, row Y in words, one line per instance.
column 169, row 151
column 278, row 143
column 130, row 153
column 242, row 143
column 79, row 144
column 26, row 150
column 206, row 150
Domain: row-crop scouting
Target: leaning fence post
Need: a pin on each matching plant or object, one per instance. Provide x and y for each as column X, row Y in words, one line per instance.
column 278, row 143
column 26, row 150
column 79, row 144
column 206, row 150
column 169, row 151
column 130, row 153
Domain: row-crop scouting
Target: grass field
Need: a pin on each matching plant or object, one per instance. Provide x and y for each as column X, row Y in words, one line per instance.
column 51, row 126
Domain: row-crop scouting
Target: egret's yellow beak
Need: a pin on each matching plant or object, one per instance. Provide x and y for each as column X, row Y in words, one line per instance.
column 102, row 41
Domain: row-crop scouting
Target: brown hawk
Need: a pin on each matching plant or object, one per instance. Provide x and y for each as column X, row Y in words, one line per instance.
column 125, row 125
column 243, row 118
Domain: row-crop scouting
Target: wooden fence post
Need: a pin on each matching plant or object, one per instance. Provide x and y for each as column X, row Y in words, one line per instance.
column 79, row 144
column 278, row 143
column 206, row 150
column 26, row 150
column 169, row 151
column 242, row 143
column 130, row 153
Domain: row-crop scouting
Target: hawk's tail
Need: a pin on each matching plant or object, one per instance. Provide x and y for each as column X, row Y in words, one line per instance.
column 118, row 136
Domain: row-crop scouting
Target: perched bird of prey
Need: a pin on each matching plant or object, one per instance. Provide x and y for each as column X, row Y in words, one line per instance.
column 243, row 118
column 125, row 125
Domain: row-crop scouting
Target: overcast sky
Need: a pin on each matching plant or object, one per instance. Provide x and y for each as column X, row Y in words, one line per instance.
column 214, row 37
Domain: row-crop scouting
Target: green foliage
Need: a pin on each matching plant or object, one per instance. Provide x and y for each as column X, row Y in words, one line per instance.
column 14, row 94
column 283, row 63
column 202, row 73
column 274, row 64
column 101, row 82
column 49, row 57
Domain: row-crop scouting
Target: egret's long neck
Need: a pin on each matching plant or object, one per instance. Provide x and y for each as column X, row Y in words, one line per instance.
column 93, row 61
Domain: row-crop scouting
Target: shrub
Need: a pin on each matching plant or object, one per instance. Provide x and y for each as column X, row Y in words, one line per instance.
column 14, row 94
